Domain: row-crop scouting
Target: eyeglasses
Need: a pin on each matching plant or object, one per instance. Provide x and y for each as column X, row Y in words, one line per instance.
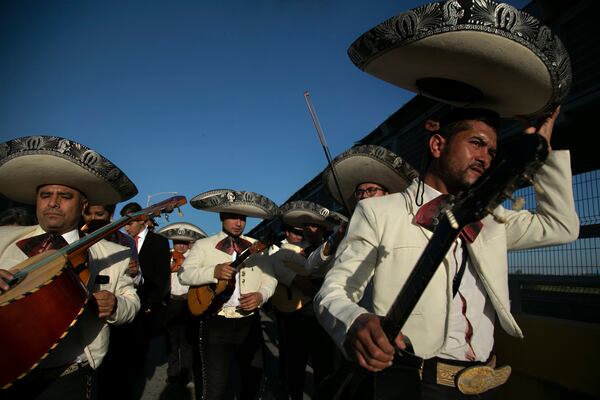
column 369, row 192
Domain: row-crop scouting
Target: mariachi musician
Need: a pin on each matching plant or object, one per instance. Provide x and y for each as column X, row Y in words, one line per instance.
column 301, row 335
column 500, row 61
column 234, row 332
column 178, row 318
column 60, row 176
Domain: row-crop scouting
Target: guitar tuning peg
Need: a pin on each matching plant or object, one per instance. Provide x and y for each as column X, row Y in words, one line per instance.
column 452, row 219
column 179, row 212
column 518, row 203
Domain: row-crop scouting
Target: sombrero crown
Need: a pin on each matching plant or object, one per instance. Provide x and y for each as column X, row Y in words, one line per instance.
column 182, row 231
column 237, row 202
column 367, row 163
column 29, row 162
column 298, row 213
column 475, row 53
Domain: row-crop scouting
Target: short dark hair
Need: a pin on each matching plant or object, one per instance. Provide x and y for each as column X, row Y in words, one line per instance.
column 455, row 120
column 130, row 208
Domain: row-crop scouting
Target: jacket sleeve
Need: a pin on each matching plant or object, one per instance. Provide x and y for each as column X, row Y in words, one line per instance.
column 196, row 269
column 336, row 302
column 555, row 221
column 268, row 282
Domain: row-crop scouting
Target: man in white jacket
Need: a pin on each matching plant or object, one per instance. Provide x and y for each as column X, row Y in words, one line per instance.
column 65, row 180
column 448, row 331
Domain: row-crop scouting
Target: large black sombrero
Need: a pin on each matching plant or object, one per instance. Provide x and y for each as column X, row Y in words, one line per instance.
column 237, row 202
column 29, row 162
column 474, row 53
column 298, row 213
column 182, row 231
column 367, row 163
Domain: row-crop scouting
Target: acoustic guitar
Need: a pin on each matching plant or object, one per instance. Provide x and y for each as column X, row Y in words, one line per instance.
column 48, row 293
column 288, row 299
column 207, row 300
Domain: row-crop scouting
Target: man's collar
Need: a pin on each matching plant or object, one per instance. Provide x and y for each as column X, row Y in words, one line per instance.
column 143, row 233
column 71, row 236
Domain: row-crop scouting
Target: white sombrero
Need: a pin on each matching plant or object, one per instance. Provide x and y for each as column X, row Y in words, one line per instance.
column 367, row 163
column 29, row 162
column 298, row 213
column 474, row 53
column 182, row 231
column 237, row 202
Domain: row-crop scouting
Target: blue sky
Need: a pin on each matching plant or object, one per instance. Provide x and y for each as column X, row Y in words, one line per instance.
column 189, row 96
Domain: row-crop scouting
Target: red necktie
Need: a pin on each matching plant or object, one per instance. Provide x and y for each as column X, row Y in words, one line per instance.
column 40, row 243
column 137, row 243
column 431, row 210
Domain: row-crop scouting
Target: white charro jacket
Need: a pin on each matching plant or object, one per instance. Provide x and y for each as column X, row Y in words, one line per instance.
column 105, row 258
column 199, row 267
column 383, row 244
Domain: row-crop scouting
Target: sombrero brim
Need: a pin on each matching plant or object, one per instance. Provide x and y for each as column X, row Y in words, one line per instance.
column 249, row 204
column 28, row 164
column 494, row 57
column 298, row 213
column 182, row 231
column 361, row 166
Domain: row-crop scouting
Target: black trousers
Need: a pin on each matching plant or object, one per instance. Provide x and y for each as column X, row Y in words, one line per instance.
column 44, row 385
column 304, row 338
column 224, row 344
column 179, row 348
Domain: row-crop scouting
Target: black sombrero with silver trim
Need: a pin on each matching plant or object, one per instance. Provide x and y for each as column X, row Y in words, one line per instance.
column 29, row 162
column 474, row 53
column 237, row 202
column 300, row 212
column 367, row 163
column 182, row 231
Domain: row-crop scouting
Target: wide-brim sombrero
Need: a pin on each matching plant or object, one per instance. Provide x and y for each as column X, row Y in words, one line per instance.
column 182, row 231
column 469, row 53
column 367, row 163
column 27, row 163
column 298, row 213
column 245, row 203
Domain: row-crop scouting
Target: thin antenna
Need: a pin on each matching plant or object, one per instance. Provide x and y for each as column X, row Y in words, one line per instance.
column 315, row 119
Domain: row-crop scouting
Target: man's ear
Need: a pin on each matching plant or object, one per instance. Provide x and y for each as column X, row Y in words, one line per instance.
column 436, row 145
column 83, row 202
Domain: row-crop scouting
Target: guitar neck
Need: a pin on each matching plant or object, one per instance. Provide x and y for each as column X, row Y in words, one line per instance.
column 239, row 260
column 421, row 275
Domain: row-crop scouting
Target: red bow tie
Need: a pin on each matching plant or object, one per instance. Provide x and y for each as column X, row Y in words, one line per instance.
column 231, row 244
column 430, row 212
column 40, row 243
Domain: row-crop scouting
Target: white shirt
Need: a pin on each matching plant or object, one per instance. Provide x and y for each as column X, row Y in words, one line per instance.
column 234, row 300
column 471, row 313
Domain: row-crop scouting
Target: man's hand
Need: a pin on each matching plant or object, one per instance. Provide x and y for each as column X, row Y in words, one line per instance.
column 545, row 129
column 106, row 302
column 369, row 344
column 4, row 277
column 250, row 301
column 133, row 268
column 224, row 271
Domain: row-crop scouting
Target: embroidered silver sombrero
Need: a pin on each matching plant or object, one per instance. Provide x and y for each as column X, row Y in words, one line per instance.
column 298, row 213
column 238, row 202
column 29, row 162
column 182, row 231
column 367, row 163
column 475, row 53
